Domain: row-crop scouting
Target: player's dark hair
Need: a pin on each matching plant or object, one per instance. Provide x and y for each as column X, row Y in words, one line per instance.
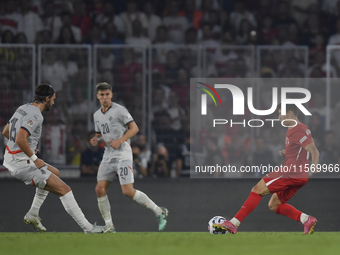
column 103, row 86
column 42, row 91
column 289, row 107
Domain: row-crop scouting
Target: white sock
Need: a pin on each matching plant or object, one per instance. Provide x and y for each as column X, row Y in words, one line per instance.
column 142, row 199
column 38, row 200
column 72, row 208
column 303, row 218
column 235, row 222
column 105, row 209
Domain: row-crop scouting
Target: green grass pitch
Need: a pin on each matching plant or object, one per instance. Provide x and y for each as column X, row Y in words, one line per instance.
column 175, row 243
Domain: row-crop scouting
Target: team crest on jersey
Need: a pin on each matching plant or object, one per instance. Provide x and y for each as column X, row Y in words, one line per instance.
column 110, row 119
column 287, row 141
column 30, row 123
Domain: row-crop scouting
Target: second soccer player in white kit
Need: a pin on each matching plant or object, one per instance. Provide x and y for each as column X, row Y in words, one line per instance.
column 115, row 125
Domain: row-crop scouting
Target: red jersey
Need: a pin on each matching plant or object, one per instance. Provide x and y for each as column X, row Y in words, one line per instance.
column 297, row 138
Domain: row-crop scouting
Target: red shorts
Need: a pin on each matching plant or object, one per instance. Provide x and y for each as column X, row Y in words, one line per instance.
column 284, row 186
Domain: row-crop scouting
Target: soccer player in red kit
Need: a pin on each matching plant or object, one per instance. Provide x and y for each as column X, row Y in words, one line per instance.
column 284, row 183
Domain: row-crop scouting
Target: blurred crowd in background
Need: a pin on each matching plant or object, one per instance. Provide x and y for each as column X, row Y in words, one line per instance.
column 174, row 28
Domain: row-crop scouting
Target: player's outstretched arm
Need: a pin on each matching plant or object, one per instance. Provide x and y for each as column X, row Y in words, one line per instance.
column 311, row 148
column 5, row 132
column 133, row 129
column 22, row 142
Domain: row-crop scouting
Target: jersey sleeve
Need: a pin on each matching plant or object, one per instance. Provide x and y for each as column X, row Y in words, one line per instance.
column 303, row 138
column 96, row 125
column 31, row 122
column 125, row 116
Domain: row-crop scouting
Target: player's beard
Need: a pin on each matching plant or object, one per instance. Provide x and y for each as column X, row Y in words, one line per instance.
column 48, row 107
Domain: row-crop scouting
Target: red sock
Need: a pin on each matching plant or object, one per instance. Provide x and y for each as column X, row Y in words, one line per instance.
column 252, row 201
column 289, row 211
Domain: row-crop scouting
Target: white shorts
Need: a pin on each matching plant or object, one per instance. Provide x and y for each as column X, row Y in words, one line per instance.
column 108, row 171
column 26, row 171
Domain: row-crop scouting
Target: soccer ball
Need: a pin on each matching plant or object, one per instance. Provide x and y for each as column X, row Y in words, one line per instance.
column 216, row 220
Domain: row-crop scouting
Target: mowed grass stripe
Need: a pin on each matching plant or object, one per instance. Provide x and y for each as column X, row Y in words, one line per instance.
column 287, row 243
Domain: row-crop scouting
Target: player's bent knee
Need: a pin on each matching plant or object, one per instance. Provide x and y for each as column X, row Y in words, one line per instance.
column 272, row 206
column 261, row 188
column 56, row 172
column 62, row 190
column 256, row 189
column 67, row 188
column 129, row 193
column 100, row 191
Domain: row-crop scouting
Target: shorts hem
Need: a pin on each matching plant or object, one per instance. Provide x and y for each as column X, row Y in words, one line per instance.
column 104, row 180
column 127, row 183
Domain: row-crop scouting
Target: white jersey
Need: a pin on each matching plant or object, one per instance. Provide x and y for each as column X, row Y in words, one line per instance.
column 28, row 117
column 113, row 125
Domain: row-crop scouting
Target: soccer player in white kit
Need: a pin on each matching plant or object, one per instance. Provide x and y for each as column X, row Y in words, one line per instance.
column 23, row 132
column 114, row 125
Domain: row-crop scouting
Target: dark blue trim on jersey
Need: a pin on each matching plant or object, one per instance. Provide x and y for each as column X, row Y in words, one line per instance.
column 98, row 132
column 101, row 109
column 26, row 130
